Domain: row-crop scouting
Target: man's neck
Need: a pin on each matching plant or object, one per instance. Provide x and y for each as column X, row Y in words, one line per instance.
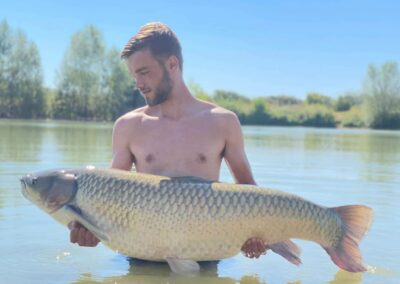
column 178, row 104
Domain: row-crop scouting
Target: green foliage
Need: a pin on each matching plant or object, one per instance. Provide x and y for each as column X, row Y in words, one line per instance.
column 93, row 82
column 354, row 118
column 198, row 92
column 82, row 79
column 234, row 102
column 21, row 91
column 220, row 96
column 347, row 101
column 283, row 100
column 318, row 99
column 260, row 111
column 382, row 92
column 304, row 115
column 258, row 114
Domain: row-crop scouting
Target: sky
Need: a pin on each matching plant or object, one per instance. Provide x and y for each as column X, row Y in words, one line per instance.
column 254, row 48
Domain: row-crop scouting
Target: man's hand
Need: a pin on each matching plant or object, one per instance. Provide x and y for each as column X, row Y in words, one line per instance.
column 81, row 235
column 254, row 248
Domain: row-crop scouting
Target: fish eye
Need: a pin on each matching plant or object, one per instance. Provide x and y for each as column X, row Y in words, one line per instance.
column 34, row 180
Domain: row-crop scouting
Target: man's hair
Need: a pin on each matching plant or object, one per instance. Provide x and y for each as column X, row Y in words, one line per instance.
column 158, row 38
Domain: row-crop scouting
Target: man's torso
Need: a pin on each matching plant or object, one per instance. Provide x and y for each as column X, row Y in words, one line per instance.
column 191, row 146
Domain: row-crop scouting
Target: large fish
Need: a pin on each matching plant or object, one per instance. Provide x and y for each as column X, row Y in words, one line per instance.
column 187, row 219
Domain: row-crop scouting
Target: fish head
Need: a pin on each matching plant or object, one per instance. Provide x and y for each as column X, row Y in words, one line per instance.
column 50, row 190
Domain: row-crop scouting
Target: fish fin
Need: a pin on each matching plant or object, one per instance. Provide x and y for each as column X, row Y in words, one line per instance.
column 287, row 249
column 182, row 266
column 356, row 220
column 75, row 214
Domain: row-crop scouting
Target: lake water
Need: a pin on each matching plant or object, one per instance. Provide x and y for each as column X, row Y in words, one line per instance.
column 331, row 167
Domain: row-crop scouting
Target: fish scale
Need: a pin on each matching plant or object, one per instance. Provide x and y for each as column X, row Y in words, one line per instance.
column 156, row 218
column 148, row 198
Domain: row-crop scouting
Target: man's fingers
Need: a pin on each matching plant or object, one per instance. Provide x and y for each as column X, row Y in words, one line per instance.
column 254, row 248
column 82, row 236
column 91, row 240
column 73, row 236
column 261, row 247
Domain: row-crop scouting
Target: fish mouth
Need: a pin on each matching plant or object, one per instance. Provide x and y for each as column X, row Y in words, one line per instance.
column 24, row 188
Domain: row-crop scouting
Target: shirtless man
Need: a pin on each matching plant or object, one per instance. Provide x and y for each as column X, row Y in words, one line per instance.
column 175, row 134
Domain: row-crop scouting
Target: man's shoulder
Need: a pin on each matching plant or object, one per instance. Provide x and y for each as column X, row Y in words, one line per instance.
column 131, row 118
column 217, row 111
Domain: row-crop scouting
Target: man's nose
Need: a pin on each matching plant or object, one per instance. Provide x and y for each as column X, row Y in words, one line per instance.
column 139, row 84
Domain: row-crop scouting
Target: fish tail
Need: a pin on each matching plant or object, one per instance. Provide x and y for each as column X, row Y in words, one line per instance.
column 356, row 220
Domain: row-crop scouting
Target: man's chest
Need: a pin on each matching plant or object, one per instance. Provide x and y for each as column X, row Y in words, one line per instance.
column 187, row 145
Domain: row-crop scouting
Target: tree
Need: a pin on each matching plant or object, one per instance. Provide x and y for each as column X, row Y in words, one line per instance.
column 5, row 52
column 21, row 79
column 382, row 91
column 94, row 83
column 220, row 95
column 259, row 114
column 282, row 100
column 121, row 96
column 316, row 98
column 198, row 91
column 82, row 78
column 347, row 101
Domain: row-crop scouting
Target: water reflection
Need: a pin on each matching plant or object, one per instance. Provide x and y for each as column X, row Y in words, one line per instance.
column 344, row 277
column 146, row 272
column 20, row 142
column 85, row 144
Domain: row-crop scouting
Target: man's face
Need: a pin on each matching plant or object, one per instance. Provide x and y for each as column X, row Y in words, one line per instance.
column 151, row 76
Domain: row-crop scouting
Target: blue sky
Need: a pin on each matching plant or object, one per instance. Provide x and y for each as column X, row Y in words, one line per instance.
column 256, row 48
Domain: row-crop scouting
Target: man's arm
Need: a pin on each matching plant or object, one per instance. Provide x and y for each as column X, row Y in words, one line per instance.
column 122, row 159
column 239, row 166
column 234, row 153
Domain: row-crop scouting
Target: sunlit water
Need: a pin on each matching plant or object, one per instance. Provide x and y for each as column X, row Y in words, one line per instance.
column 328, row 166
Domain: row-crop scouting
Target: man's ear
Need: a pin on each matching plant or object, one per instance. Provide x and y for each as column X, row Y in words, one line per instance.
column 173, row 63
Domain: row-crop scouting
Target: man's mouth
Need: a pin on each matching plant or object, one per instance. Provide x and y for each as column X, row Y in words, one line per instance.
column 145, row 91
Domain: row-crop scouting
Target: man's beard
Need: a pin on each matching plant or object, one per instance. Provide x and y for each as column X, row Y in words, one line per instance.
column 163, row 90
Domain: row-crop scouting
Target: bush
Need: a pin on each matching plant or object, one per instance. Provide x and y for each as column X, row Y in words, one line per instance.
column 346, row 102
column 318, row 99
column 354, row 118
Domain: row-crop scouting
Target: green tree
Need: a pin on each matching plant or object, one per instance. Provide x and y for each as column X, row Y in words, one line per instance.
column 121, row 95
column 198, row 91
column 94, row 83
column 382, row 91
column 347, row 101
column 233, row 101
column 220, row 96
column 259, row 114
column 5, row 53
column 21, row 79
column 283, row 100
column 82, row 78
column 316, row 98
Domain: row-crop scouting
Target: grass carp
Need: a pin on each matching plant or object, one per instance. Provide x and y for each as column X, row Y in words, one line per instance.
column 183, row 220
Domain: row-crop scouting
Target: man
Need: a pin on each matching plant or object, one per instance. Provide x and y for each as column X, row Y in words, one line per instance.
column 175, row 134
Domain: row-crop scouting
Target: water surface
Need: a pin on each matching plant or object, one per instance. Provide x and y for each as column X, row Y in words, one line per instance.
column 329, row 166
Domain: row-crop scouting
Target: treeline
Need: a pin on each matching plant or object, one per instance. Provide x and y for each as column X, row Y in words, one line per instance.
column 94, row 84
column 376, row 106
